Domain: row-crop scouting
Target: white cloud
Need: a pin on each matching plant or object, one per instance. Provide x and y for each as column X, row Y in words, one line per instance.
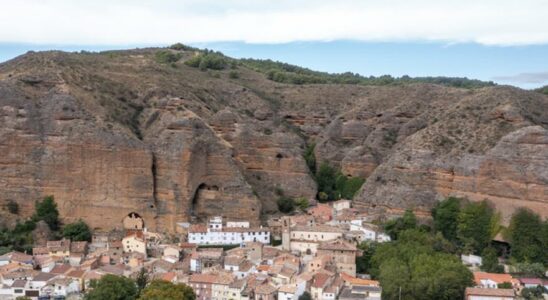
column 524, row 78
column 108, row 22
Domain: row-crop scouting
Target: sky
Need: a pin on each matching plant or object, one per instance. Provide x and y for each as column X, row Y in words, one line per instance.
column 503, row 41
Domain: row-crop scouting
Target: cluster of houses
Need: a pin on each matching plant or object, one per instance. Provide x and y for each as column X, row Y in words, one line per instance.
column 225, row 259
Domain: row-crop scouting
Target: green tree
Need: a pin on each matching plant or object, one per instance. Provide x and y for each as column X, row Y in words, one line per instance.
column 301, row 203
column 395, row 226
column 112, row 287
column 474, row 226
column 305, row 296
column 415, row 266
column 533, row 293
column 525, row 235
column 163, row 290
column 142, row 280
column 310, row 157
column 47, row 210
column 285, row 204
column 490, row 261
column 166, row 57
column 363, row 262
column 445, row 215
column 326, row 179
column 505, row 285
column 77, row 231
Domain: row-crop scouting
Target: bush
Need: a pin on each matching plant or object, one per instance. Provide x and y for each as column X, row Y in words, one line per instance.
column 46, row 210
column 310, row 158
column 445, row 215
column 213, row 61
column 166, row 57
column 334, row 185
column 301, row 203
column 77, row 231
column 179, row 46
column 233, row 75
column 112, row 287
column 159, row 289
column 285, row 204
column 13, row 207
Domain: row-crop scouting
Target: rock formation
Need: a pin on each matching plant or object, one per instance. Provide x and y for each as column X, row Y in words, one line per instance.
column 117, row 132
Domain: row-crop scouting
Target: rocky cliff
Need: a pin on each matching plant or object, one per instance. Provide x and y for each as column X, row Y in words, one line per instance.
column 116, row 132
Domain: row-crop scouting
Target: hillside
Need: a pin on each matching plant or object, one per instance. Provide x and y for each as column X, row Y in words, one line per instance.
column 174, row 136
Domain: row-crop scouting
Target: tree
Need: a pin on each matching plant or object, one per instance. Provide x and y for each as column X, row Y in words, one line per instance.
column 301, row 203
column 505, row 285
column 474, row 226
column 525, row 235
column 415, row 265
column 445, row 215
column 305, row 296
column 112, row 287
column 142, row 280
column 326, row 179
column 163, row 290
column 395, row 226
column 363, row 262
column 490, row 261
column 285, row 204
column 77, row 231
column 47, row 210
column 533, row 293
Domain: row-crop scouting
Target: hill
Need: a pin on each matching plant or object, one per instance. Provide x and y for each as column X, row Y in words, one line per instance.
column 180, row 133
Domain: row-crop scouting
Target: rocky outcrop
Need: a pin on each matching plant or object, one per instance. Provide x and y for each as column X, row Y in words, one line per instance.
column 112, row 133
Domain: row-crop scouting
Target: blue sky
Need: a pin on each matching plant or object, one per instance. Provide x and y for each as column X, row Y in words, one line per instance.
column 501, row 40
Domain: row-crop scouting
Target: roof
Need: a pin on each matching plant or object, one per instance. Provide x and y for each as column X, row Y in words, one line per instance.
column 490, row 292
column 188, row 245
column 60, row 245
column 498, row 278
column 19, row 283
column 288, row 288
column 40, row 250
column 76, row 273
column 358, row 281
column 169, row 276
column 78, row 247
column 233, row 260
column 198, row 228
column 265, row 289
column 42, row 276
column 317, row 228
column 337, row 245
column 245, row 266
column 320, row 280
column 202, row 278
column 61, row 269
column 536, row 281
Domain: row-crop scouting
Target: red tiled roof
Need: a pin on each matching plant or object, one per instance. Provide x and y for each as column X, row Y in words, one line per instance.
column 498, row 278
column 320, row 280
column 490, row 292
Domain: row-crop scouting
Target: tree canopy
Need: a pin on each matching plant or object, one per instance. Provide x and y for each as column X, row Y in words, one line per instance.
column 475, row 226
column 445, row 215
column 416, row 264
column 47, row 210
column 527, row 235
column 112, row 287
column 163, row 290
column 77, row 231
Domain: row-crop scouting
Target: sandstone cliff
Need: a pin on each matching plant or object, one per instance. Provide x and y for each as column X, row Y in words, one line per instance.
column 115, row 132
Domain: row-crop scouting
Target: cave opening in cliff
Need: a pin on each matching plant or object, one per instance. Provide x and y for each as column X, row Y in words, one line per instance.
column 202, row 189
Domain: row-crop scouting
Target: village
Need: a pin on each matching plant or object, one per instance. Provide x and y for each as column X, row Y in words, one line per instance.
column 310, row 255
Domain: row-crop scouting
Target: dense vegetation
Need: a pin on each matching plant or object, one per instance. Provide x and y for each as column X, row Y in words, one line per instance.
column 122, row 288
column 543, row 90
column 333, row 185
column 287, row 73
column 20, row 237
column 423, row 263
column 166, row 57
column 77, row 231
column 287, row 204
column 419, row 265
column 208, row 60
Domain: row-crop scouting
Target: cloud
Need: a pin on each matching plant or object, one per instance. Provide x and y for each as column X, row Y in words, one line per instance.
column 107, row 22
column 538, row 77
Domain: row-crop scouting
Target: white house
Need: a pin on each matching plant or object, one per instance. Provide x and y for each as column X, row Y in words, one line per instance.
column 133, row 243
column 60, row 286
column 217, row 234
column 471, row 260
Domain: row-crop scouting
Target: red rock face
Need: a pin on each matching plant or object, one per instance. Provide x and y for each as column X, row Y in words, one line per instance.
column 112, row 134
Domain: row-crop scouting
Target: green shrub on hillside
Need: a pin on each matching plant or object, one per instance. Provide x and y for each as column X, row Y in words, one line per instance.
column 167, row 57
column 211, row 60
